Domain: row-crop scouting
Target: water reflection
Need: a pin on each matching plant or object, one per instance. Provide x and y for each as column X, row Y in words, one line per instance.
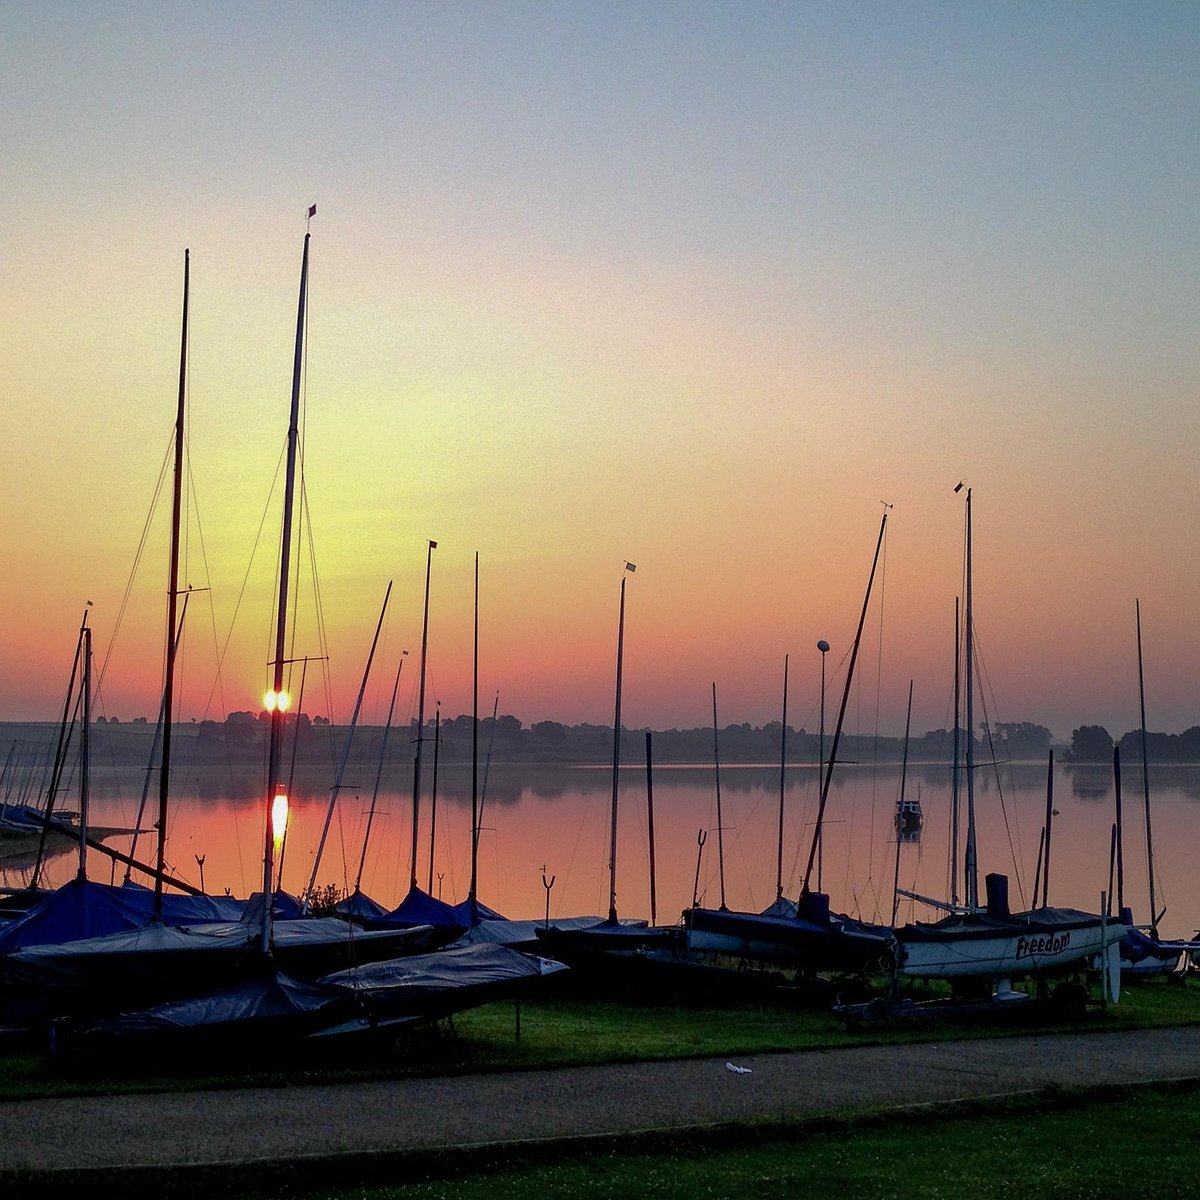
column 557, row 818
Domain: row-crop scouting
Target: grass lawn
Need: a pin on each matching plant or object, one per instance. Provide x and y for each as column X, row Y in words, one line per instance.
column 1121, row 1143
column 1119, row 1146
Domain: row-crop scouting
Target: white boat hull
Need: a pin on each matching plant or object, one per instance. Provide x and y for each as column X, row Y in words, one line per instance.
column 961, row 947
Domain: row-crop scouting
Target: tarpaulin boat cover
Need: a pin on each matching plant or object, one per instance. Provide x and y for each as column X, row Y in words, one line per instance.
column 420, row 908
column 83, row 909
column 481, row 912
column 519, row 933
column 360, row 907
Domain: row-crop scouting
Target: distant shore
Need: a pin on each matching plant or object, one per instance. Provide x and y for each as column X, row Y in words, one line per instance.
column 241, row 740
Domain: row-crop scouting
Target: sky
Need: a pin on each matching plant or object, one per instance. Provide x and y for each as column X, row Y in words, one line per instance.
column 705, row 287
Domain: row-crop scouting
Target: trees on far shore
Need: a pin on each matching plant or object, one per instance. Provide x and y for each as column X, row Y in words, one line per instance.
column 1093, row 743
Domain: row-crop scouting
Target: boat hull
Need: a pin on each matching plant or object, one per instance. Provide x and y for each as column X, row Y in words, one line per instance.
column 976, row 944
column 833, row 944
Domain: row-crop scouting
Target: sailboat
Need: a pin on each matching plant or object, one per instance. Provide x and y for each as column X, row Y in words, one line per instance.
column 419, row 907
column 83, row 908
column 1143, row 951
column 149, row 961
column 809, row 937
column 580, row 942
column 987, row 940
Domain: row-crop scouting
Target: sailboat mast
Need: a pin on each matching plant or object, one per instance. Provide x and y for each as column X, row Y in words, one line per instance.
column 85, row 750
column 1146, row 779
column 955, row 779
column 720, row 823
column 416, row 803
column 168, row 702
column 616, row 761
column 279, row 704
column 650, row 826
column 900, row 806
column 1049, row 828
column 155, row 749
column 1118, row 832
column 335, row 791
column 475, row 757
column 437, row 741
column 972, row 864
column 837, row 732
column 782, row 783
column 387, row 729
column 60, row 753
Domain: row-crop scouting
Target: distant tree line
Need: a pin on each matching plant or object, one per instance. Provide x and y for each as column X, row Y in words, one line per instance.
column 242, row 737
column 1094, row 744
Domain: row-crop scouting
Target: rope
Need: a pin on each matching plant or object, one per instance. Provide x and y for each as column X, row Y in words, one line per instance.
column 137, row 558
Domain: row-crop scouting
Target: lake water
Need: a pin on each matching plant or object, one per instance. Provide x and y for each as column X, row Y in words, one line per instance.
column 551, row 824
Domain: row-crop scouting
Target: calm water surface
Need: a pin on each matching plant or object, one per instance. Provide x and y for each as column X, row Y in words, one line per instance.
column 550, row 825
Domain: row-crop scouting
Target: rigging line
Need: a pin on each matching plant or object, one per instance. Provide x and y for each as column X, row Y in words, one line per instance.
column 194, row 510
column 318, row 603
column 1013, row 845
column 878, row 699
column 137, row 558
column 245, row 582
column 587, row 804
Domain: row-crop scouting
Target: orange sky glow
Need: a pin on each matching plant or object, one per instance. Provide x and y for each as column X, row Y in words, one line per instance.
column 564, row 319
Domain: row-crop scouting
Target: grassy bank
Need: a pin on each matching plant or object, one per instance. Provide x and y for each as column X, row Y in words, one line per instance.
column 567, row 1030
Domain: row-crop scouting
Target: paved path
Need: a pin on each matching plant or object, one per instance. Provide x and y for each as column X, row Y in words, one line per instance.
column 324, row 1124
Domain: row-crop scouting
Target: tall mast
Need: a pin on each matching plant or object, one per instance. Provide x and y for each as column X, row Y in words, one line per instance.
column 168, row 703
column 782, row 783
column 650, row 826
column 954, row 770
column 1118, row 833
column 972, row 862
column 1049, row 828
column 837, row 732
column 616, row 762
column 475, row 758
column 900, row 806
column 416, row 803
column 60, row 753
column 720, row 823
column 1146, row 779
column 155, row 752
column 85, row 750
column 276, row 796
column 337, row 782
column 437, row 741
column 362, row 861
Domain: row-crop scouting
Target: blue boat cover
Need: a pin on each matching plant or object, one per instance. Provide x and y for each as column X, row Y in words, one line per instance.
column 360, row 907
column 482, row 912
column 420, row 908
column 83, row 909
